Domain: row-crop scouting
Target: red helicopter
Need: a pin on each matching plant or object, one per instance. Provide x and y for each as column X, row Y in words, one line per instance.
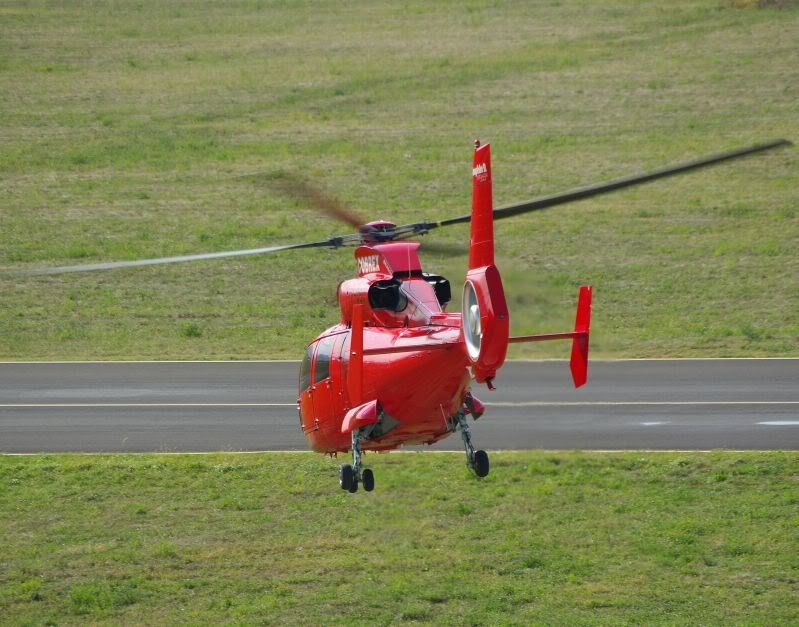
column 397, row 369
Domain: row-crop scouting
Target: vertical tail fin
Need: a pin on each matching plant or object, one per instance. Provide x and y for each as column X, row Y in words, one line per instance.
column 481, row 244
column 579, row 358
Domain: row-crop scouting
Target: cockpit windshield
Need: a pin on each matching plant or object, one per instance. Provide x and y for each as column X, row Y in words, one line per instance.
column 321, row 369
column 305, row 369
column 421, row 296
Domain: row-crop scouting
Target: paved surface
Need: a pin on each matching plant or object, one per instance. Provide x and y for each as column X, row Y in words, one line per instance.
column 207, row 406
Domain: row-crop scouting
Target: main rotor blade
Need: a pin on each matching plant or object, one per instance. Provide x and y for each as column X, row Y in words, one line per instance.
column 295, row 186
column 609, row 186
column 89, row 267
column 288, row 183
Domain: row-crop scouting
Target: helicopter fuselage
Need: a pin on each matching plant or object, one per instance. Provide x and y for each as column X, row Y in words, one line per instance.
column 414, row 364
column 397, row 368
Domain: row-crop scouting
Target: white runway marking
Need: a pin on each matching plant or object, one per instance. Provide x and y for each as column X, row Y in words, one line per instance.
column 780, row 423
column 653, row 424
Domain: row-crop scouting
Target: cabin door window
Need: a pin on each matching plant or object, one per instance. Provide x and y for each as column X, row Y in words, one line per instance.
column 305, row 399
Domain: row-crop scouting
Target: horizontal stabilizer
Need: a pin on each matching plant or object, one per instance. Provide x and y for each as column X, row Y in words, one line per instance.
column 579, row 337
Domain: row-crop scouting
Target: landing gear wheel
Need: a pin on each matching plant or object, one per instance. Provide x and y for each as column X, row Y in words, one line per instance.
column 368, row 480
column 354, row 487
column 346, row 477
column 480, row 463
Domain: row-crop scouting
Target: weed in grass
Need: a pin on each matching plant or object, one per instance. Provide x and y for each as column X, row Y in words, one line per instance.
column 191, row 329
column 737, row 549
column 751, row 332
column 165, row 550
column 87, row 598
column 137, row 509
column 532, row 562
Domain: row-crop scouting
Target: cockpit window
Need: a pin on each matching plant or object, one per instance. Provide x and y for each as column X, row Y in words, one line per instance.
column 305, row 369
column 322, row 366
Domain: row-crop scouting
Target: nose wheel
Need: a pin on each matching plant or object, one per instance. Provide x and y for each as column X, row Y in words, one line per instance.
column 480, row 463
column 350, row 475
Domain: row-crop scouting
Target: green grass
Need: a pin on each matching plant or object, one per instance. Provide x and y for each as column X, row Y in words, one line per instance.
column 547, row 538
column 124, row 127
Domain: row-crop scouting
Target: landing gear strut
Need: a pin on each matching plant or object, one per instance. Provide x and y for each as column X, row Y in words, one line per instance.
column 476, row 460
column 349, row 476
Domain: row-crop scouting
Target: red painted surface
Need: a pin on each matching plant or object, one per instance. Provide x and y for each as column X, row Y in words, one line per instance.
column 579, row 357
column 355, row 372
column 481, row 241
column 483, row 275
column 494, row 321
column 360, row 416
column 409, row 370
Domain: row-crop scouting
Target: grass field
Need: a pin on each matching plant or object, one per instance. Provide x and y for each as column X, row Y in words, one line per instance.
column 548, row 538
column 124, row 127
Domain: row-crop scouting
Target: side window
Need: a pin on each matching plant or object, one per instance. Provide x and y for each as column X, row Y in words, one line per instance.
column 322, row 366
column 305, row 369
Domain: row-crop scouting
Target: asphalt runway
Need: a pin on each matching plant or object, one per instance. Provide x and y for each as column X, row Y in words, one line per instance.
column 249, row 406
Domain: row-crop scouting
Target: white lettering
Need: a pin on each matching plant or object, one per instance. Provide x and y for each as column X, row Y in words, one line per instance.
column 368, row 264
column 480, row 169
